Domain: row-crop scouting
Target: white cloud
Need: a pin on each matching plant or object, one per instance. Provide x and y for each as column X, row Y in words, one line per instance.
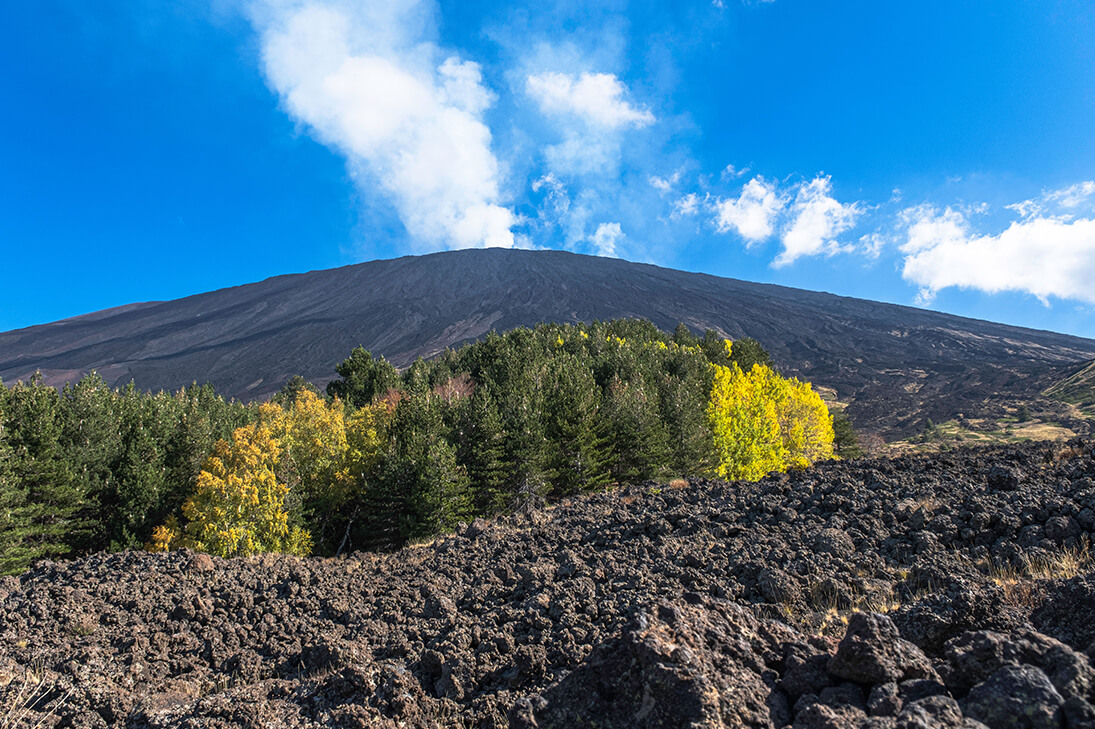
column 1043, row 256
column 753, row 213
column 595, row 98
column 605, row 239
column 687, row 205
column 556, row 199
column 872, row 244
column 665, row 184
column 592, row 114
column 1065, row 203
column 818, row 220
column 366, row 80
column 1074, row 196
column 730, row 171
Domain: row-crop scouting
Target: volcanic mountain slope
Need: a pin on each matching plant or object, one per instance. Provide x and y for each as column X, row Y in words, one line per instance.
column 692, row 604
column 896, row 365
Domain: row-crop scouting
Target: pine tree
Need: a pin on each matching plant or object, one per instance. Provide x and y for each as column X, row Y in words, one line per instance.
column 201, row 419
column 479, row 448
column 91, row 440
column 12, row 499
column 578, row 451
column 683, row 393
column 845, row 439
column 363, row 379
column 292, row 389
column 636, row 433
column 683, row 336
column 420, row 489
column 748, row 352
column 43, row 513
column 141, row 487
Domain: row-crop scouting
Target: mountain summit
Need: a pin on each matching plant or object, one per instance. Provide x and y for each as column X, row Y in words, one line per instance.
column 896, row 365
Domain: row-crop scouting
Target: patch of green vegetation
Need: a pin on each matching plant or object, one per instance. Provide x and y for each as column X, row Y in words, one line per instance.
column 1008, row 429
column 1076, row 389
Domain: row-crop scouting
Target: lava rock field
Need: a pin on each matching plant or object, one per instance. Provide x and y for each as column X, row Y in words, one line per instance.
column 951, row 590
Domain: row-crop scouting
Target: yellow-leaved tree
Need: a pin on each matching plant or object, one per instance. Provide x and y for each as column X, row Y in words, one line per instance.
column 745, row 422
column 303, row 463
column 763, row 422
column 328, row 459
column 239, row 506
column 312, row 437
column 805, row 424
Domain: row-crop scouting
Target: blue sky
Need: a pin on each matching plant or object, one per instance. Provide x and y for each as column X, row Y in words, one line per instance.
column 936, row 154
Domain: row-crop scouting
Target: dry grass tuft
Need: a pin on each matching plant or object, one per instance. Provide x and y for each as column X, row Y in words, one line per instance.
column 1069, row 453
column 828, row 614
column 678, row 483
column 1021, row 583
column 1064, row 565
column 33, row 695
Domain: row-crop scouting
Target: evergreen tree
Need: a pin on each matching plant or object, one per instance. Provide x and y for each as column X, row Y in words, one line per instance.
column 292, row 389
column 683, row 336
column 140, row 487
column 91, row 441
column 577, row 454
column 420, row 489
column 201, row 419
column 748, row 352
column 684, row 391
column 12, row 500
column 715, row 349
column 637, row 434
column 45, row 508
column 520, row 372
column 363, row 379
column 845, row 439
column 479, row 441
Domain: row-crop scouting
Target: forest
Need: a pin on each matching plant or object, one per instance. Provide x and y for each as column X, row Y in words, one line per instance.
column 383, row 457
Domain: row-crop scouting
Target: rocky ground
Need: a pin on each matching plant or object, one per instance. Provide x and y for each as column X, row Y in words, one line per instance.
column 952, row 590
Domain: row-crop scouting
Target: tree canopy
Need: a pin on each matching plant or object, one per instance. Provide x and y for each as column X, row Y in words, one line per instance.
column 510, row 422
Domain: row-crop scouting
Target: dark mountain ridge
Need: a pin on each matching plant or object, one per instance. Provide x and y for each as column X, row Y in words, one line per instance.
column 896, row 365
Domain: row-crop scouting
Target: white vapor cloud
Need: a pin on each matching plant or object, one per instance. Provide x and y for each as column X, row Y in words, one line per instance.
column 732, row 172
column 818, row 220
column 687, row 205
column 593, row 115
column 665, row 184
column 605, row 239
column 556, row 197
column 753, row 213
column 807, row 217
column 1064, row 202
column 595, row 98
column 365, row 78
column 1043, row 256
